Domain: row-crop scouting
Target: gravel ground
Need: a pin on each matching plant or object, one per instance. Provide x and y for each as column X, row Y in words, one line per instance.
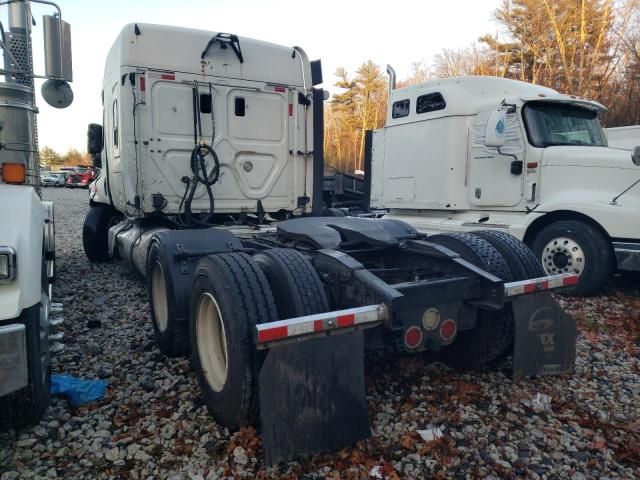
column 152, row 423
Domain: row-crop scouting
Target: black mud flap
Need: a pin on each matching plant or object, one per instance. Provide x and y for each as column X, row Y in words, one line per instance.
column 545, row 342
column 312, row 397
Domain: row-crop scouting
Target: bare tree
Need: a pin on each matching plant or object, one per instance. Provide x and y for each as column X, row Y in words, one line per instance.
column 584, row 47
column 361, row 106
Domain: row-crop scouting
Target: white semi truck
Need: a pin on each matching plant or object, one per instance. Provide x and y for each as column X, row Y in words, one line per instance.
column 211, row 187
column 486, row 153
column 27, row 244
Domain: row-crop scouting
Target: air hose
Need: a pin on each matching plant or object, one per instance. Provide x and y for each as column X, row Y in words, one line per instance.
column 200, row 175
column 198, row 166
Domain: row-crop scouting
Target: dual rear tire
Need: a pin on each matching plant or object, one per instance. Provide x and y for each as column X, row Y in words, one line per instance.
column 169, row 320
column 231, row 293
column 508, row 259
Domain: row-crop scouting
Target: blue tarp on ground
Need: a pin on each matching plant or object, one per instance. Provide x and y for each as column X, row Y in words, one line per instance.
column 79, row 391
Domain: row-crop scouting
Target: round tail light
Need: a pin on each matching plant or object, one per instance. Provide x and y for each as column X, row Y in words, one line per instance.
column 448, row 330
column 413, row 337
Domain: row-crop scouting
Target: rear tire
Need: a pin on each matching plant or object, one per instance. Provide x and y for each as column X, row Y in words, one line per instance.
column 475, row 250
column 170, row 332
column 571, row 246
column 27, row 406
column 494, row 331
column 230, row 295
column 95, row 232
column 522, row 262
column 296, row 287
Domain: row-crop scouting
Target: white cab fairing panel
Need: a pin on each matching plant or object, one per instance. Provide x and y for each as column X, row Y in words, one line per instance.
column 263, row 132
column 21, row 228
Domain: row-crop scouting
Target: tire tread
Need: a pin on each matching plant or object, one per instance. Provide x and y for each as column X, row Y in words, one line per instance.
column 95, row 241
column 306, row 294
column 521, row 260
column 494, row 331
column 253, row 303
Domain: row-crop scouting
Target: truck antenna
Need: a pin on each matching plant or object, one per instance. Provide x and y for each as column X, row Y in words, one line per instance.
column 614, row 201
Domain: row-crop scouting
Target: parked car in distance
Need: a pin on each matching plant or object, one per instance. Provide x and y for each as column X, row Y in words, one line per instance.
column 53, row 179
column 82, row 178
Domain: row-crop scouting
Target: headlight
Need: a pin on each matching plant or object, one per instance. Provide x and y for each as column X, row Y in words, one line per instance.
column 8, row 267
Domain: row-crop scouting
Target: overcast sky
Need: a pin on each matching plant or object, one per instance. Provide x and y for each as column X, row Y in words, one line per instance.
column 341, row 33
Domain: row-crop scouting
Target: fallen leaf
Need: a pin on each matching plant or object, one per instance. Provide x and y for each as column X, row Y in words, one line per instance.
column 632, row 426
column 407, row 442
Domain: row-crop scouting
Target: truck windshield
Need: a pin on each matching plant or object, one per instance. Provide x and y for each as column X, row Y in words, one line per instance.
column 549, row 124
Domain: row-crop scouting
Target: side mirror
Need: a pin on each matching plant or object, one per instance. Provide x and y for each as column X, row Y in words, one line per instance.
column 57, row 48
column 635, row 157
column 94, row 139
column 494, row 135
column 316, row 72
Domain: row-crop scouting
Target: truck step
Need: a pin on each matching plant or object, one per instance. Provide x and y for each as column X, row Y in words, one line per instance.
column 56, row 307
column 56, row 321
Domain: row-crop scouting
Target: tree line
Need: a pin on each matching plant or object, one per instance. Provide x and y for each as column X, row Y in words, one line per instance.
column 583, row 47
column 72, row 157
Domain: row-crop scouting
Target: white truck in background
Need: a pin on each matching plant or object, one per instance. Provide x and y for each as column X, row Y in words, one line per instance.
column 27, row 244
column 477, row 152
column 626, row 138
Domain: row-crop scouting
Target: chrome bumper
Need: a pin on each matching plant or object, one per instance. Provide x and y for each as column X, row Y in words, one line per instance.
column 13, row 358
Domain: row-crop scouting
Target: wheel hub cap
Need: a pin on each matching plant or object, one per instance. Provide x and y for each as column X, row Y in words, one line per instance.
column 211, row 342
column 563, row 255
column 159, row 297
column 560, row 260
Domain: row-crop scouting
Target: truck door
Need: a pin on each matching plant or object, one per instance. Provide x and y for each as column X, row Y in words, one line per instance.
column 493, row 181
column 259, row 128
column 251, row 140
column 122, row 191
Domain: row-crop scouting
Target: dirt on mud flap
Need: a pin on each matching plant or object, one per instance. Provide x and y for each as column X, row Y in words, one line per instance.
column 312, row 397
column 545, row 337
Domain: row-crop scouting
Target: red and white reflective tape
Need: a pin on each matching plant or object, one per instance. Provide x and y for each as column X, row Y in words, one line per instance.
column 162, row 75
column 273, row 332
column 523, row 287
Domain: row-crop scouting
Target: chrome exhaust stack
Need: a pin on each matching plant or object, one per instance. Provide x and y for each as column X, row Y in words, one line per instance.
column 392, row 78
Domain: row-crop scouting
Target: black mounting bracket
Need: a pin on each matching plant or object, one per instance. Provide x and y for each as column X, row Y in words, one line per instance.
column 225, row 39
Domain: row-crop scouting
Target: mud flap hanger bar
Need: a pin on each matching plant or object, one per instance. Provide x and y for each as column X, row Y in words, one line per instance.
column 319, row 325
column 515, row 289
column 283, row 332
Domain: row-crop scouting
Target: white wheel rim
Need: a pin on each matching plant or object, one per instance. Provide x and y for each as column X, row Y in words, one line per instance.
column 211, row 342
column 159, row 297
column 563, row 255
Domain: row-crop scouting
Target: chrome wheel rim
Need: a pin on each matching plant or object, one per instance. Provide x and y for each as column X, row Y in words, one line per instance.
column 211, row 342
column 563, row 255
column 159, row 297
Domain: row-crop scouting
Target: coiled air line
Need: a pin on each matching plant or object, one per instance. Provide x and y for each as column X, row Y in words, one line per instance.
column 198, row 165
